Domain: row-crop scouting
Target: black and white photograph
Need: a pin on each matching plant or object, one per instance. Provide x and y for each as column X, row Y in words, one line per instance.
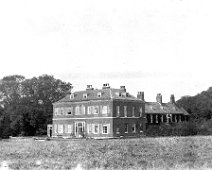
column 105, row 85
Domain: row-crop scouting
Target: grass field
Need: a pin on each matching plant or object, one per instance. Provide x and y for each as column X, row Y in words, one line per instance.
column 143, row 153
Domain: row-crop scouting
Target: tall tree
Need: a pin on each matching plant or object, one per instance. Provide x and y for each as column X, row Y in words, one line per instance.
column 28, row 103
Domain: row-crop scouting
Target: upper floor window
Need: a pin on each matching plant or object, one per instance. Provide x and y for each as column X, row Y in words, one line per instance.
column 133, row 111
column 95, row 109
column 105, row 109
column 70, row 110
column 117, row 111
column 60, row 111
column 99, row 94
column 72, row 96
column 89, row 110
column 85, row 96
column 56, row 111
column 140, row 112
column 125, row 111
column 82, row 110
column 77, row 110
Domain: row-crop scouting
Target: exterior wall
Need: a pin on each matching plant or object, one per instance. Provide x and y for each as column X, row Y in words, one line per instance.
column 89, row 121
column 135, row 121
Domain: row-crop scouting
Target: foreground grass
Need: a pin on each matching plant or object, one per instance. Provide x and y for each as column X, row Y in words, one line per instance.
column 143, row 153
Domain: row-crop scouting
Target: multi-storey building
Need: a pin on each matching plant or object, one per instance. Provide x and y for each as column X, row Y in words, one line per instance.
column 159, row 112
column 99, row 113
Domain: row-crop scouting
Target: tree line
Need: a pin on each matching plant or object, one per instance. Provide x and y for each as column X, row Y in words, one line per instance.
column 26, row 104
column 26, row 108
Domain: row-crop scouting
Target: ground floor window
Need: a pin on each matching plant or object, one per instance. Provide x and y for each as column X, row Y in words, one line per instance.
column 126, row 128
column 70, row 129
column 133, row 128
column 60, row 128
column 105, row 129
column 95, row 128
column 89, row 128
column 55, row 128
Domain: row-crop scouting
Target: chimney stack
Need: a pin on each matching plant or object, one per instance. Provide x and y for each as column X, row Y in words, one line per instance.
column 140, row 95
column 89, row 87
column 123, row 88
column 172, row 99
column 159, row 98
column 106, row 86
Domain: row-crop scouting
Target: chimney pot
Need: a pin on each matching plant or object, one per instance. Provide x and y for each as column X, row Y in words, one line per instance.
column 159, row 98
column 140, row 95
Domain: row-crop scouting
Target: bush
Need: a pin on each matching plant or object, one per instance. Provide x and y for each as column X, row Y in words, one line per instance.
column 173, row 129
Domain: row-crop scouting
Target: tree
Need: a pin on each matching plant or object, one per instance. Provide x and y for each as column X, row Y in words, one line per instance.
column 28, row 103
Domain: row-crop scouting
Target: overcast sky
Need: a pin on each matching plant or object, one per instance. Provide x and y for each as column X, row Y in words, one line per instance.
column 147, row 45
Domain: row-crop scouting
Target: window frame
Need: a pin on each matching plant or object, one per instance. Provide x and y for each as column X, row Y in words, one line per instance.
column 107, row 130
column 117, row 111
column 125, row 111
column 126, row 128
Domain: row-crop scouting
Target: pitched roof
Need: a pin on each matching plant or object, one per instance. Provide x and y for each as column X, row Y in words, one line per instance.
column 108, row 93
column 155, row 107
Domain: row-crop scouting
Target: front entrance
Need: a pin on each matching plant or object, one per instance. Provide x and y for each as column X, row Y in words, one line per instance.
column 49, row 130
column 79, row 129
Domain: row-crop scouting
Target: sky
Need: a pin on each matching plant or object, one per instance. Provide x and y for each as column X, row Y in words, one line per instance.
column 146, row 45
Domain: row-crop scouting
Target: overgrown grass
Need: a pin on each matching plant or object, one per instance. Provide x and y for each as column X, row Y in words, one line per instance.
column 143, row 153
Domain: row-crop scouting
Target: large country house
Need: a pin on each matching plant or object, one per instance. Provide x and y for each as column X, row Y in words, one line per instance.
column 99, row 113
column 109, row 113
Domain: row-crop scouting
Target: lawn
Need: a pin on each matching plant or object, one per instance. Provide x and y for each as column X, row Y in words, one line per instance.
column 142, row 153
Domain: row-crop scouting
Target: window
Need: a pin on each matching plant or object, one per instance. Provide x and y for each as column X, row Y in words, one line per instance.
column 89, row 128
column 141, row 127
column 60, row 128
column 134, row 128
column 99, row 94
column 126, row 128
column 89, row 110
column 125, row 111
column 106, row 129
column 70, row 129
column 117, row 111
column 95, row 128
column 140, row 111
column 55, row 128
column 56, row 111
column 66, row 128
column 104, row 109
column 77, row 110
column 117, row 130
column 69, row 110
column 95, row 109
column 82, row 110
column 60, row 111
column 85, row 96
column 72, row 96
column 133, row 111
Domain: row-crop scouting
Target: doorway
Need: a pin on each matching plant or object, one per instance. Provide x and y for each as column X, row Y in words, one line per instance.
column 79, row 129
column 49, row 130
